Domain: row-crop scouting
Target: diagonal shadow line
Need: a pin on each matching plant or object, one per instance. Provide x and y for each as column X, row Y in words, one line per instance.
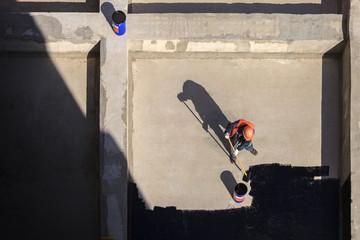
column 227, row 154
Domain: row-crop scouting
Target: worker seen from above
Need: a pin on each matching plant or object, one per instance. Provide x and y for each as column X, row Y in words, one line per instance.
column 240, row 133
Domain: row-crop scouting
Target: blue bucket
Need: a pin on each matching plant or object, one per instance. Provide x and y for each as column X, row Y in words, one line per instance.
column 240, row 192
column 118, row 22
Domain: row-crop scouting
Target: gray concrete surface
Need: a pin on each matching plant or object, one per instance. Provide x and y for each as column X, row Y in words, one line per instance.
column 254, row 27
column 302, row 38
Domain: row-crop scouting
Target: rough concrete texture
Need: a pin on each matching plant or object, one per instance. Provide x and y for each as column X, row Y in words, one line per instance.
column 354, row 26
column 297, row 41
column 236, row 27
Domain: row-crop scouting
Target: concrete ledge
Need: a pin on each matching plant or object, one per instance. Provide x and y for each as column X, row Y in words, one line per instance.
column 273, row 27
column 50, row 48
column 234, row 46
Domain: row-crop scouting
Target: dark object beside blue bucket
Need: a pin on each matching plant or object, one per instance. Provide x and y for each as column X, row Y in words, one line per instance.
column 118, row 22
column 240, row 192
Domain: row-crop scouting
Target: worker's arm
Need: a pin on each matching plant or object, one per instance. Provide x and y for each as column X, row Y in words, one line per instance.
column 230, row 128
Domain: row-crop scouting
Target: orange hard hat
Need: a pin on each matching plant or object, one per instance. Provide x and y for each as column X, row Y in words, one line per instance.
column 248, row 133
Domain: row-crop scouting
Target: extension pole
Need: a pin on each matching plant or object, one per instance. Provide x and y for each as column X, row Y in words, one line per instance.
column 237, row 157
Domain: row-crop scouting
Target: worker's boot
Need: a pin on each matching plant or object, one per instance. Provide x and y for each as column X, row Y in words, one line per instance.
column 254, row 152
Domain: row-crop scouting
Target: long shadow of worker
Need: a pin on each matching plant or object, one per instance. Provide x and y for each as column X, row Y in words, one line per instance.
column 209, row 112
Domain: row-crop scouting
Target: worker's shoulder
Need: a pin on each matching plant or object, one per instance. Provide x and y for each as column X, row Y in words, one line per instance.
column 243, row 122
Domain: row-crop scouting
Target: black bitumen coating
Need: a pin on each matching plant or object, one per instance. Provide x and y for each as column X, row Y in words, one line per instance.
column 240, row 189
column 118, row 17
column 287, row 204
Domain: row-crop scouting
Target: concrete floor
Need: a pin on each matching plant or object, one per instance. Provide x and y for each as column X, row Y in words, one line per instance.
column 176, row 162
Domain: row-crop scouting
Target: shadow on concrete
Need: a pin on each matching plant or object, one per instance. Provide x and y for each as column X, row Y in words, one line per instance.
column 114, row 188
column 326, row 7
column 345, row 209
column 345, row 153
column 209, row 112
column 330, row 109
column 335, row 125
column 58, row 6
column 49, row 150
column 107, row 10
column 229, row 181
column 287, row 204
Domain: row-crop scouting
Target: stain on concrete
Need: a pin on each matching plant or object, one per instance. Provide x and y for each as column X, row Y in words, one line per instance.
column 153, row 42
column 182, row 46
column 169, row 45
column 135, row 45
column 84, row 32
column 49, row 27
column 103, row 51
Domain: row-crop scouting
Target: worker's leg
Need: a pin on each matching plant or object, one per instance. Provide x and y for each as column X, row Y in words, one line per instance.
column 250, row 148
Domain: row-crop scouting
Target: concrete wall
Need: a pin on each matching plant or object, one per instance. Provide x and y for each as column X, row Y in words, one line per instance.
column 354, row 35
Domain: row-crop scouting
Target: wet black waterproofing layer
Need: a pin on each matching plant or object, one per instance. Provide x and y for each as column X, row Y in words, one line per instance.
column 287, row 204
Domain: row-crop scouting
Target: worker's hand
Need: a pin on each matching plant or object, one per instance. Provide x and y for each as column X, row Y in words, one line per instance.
column 236, row 152
column 227, row 135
